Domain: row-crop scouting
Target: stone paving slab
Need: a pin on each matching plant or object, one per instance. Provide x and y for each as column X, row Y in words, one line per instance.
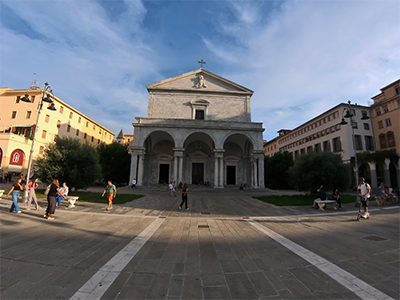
column 194, row 255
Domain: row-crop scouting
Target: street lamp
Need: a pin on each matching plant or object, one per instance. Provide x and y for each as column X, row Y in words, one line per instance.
column 353, row 124
column 47, row 91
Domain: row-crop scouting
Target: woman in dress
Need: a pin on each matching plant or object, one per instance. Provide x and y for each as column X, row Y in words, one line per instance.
column 51, row 199
column 185, row 190
column 15, row 189
column 32, row 194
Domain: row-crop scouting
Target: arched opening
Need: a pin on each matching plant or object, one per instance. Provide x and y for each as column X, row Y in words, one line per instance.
column 238, row 161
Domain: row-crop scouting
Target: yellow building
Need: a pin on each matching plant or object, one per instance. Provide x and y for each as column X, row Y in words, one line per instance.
column 385, row 114
column 17, row 125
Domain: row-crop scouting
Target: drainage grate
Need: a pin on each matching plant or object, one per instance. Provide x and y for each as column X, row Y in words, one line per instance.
column 203, row 226
column 374, row 238
column 205, row 213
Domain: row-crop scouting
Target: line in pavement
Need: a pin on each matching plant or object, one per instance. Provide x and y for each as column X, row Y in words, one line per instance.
column 102, row 280
column 357, row 286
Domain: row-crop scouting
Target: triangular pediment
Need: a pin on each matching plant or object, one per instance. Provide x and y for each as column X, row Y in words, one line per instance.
column 199, row 80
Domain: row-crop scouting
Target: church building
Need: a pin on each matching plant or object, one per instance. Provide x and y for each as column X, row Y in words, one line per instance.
column 198, row 130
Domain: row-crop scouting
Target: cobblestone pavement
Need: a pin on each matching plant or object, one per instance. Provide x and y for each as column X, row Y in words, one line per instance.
column 227, row 246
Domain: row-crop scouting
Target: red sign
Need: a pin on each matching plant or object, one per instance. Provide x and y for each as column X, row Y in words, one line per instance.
column 17, row 157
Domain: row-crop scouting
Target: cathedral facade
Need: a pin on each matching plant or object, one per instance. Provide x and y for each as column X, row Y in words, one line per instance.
column 198, row 129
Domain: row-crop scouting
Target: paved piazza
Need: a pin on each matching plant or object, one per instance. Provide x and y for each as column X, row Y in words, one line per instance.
column 227, row 246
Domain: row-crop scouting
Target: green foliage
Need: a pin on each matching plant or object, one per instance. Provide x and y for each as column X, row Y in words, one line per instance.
column 69, row 161
column 310, row 171
column 115, row 162
column 276, row 168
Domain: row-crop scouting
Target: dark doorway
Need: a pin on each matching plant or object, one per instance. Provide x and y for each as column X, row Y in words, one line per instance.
column 230, row 175
column 197, row 173
column 164, row 173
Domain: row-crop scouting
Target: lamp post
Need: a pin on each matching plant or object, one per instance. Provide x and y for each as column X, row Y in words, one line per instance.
column 47, row 91
column 353, row 124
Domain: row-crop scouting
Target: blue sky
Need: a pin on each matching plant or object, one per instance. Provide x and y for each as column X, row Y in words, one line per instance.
column 299, row 57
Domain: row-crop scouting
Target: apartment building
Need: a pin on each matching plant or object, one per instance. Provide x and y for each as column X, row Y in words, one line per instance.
column 17, row 125
column 385, row 113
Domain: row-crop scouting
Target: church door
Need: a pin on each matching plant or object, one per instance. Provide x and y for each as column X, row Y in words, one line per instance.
column 164, row 174
column 197, row 173
column 230, row 174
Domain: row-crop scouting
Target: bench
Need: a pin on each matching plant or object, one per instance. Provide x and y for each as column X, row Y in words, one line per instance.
column 321, row 203
column 71, row 201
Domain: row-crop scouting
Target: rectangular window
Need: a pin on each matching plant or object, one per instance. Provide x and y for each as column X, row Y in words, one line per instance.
column 44, row 133
column 98, row 141
column 13, row 114
column 41, row 150
column 58, row 124
column 47, row 119
column 366, row 126
column 336, row 144
column 92, row 139
column 317, row 148
column 32, row 99
column 388, row 123
column 77, row 132
column 385, row 109
column 378, row 112
column 327, row 146
column 61, row 109
column 99, row 130
column 79, row 120
column 397, row 89
column 84, row 136
column 28, row 114
column 357, row 140
column 199, row 114
column 382, row 141
column 68, row 128
column 380, row 124
column 17, row 99
column 369, row 146
column 94, row 127
column 87, row 124
column 309, row 149
column 390, row 139
column 70, row 115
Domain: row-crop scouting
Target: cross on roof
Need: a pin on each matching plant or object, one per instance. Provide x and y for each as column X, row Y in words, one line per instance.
column 201, row 62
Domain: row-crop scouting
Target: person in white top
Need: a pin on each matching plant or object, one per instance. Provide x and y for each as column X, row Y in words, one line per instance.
column 64, row 191
column 364, row 190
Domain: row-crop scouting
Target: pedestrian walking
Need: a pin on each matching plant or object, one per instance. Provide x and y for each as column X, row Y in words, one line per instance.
column 171, row 188
column 185, row 190
column 54, row 191
column 111, row 191
column 15, row 189
column 31, row 186
column 364, row 190
column 133, row 184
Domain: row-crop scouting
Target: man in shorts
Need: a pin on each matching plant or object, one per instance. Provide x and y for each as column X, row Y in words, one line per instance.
column 364, row 190
column 111, row 191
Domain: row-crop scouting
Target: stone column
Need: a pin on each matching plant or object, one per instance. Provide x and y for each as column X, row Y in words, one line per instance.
column 260, row 171
column 386, row 172
column 218, row 168
column 178, row 164
column 141, row 168
column 255, row 177
column 374, row 180
column 137, row 157
column 132, row 173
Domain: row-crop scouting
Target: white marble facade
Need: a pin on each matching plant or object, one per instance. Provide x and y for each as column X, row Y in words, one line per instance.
column 198, row 128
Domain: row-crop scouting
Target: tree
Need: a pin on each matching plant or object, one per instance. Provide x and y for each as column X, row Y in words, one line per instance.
column 115, row 162
column 69, row 161
column 276, row 168
column 324, row 168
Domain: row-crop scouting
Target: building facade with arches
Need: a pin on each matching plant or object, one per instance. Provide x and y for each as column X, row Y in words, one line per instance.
column 198, row 129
